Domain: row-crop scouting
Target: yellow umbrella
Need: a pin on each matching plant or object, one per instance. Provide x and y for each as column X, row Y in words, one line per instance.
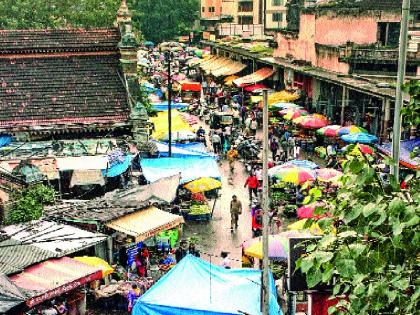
column 314, row 229
column 229, row 80
column 203, row 184
column 97, row 262
column 282, row 96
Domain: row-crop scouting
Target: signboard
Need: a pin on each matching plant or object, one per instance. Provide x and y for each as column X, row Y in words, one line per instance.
column 213, row 38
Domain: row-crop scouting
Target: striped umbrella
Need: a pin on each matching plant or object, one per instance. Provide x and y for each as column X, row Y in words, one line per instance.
column 329, row 175
column 350, row 129
column 295, row 175
column 329, row 131
column 311, row 121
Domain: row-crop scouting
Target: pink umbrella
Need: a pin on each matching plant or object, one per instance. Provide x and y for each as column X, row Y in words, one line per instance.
column 307, row 211
column 328, row 174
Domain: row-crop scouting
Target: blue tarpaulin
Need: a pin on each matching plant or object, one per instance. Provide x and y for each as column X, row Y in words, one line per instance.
column 182, row 150
column 118, row 168
column 191, row 168
column 407, row 157
column 196, row 287
column 5, row 140
column 164, row 106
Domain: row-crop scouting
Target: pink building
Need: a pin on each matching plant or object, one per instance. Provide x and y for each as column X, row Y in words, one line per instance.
column 211, row 8
column 351, row 40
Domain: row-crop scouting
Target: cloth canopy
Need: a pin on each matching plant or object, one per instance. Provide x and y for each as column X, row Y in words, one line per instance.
column 255, row 77
column 180, row 150
column 211, row 290
column 87, row 177
column 407, row 157
column 190, row 168
column 82, row 163
column 146, row 223
column 96, row 262
column 54, row 277
column 230, row 69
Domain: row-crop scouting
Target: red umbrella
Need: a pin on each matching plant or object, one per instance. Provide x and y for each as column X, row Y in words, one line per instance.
column 254, row 87
column 365, row 149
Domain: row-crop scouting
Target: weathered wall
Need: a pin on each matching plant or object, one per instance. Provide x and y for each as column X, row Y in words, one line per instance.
column 217, row 4
column 328, row 58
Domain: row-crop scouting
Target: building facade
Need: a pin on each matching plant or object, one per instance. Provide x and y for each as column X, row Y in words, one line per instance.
column 275, row 14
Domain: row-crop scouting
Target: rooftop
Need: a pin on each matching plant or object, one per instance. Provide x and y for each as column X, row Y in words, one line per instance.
column 378, row 5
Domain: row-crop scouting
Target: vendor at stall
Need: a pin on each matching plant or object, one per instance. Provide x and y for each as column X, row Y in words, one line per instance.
column 166, row 263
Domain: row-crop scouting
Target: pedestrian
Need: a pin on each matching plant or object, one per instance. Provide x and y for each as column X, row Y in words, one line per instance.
column 274, row 146
column 296, row 150
column 253, row 126
column 257, row 223
column 217, row 143
column 204, row 86
column 182, row 251
column 258, row 173
column 232, row 155
column 235, row 211
column 166, row 263
column 140, row 264
column 225, row 108
column 243, row 111
column 253, row 184
column 132, row 297
column 226, row 263
column 193, row 251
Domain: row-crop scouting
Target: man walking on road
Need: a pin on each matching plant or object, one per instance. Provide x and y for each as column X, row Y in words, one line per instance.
column 235, row 211
column 253, row 184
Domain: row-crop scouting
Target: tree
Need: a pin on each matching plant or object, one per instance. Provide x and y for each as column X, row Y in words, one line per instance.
column 161, row 20
column 371, row 245
column 28, row 204
column 38, row 14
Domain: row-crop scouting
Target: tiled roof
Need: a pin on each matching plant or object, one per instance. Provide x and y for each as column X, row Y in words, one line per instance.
column 29, row 41
column 101, row 211
column 14, row 256
column 61, row 90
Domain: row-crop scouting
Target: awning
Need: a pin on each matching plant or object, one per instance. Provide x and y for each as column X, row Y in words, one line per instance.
column 82, row 163
column 232, row 68
column 146, row 223
column 87, row 177
column 255, row 77
column 53, row 278
column 190, row 86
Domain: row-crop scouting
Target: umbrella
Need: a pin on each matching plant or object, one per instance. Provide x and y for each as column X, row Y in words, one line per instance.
column 359, row 137
column 329, row 131
column 282, row 96
column 307, row 211
column 350, row 129
column 301, row 163
column 284, row 105
column 328, row 175
column 255, row 87
column 278, row 245
column 290, row 114
column 148, row 43
column 311, row 121
column 96, row 262
column 203, row 184
column 295, row 175
column 358, row 149
column 314, row 229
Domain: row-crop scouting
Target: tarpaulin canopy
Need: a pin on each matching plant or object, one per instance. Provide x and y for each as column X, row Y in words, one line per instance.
column 146, row 223
column 231, row 68
column 197, row 287
column 10, row 295
column 53, row 278
column 255, row 77
column 5, row 140
column 82, row 163
column 87, row 177
column 162, row 106
column 161, row 125
column 191, row 86
column 96, row 262
column 180, row 150
column 408, row 158
column 190, row 168
column 118, row 168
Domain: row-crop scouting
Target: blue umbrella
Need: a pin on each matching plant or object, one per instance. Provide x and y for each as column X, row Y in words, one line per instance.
column 359, row 137
column 149, row 43
column 283, row 105
column 302, row 163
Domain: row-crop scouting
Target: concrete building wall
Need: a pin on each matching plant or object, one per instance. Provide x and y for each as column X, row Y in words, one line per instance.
column 230, row 7
column 275, row 9
column 207, row 8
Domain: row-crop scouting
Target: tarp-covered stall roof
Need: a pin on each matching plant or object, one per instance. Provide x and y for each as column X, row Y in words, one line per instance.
column 10, row 295
column 197, row 287
column 255, row 77
column 190, row 168
column 53, row 278
column 82, row 163
column 146, row 223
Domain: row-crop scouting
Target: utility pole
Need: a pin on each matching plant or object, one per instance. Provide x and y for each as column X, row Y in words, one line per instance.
column 265, row 205
column 402, row 61
column 169, row 105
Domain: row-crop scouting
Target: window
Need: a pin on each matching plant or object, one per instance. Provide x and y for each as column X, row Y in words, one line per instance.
column 276, row 3
column 246, row 20
column 277, row 17
column 203, row 9
column 211, row 9
column 417, row 19
column 388, row 33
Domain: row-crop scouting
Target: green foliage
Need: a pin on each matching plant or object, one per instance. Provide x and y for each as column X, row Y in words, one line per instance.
column 38, row 14
column 28, row 203
column 371, row 245
column 411, row 112
column 161, row 20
